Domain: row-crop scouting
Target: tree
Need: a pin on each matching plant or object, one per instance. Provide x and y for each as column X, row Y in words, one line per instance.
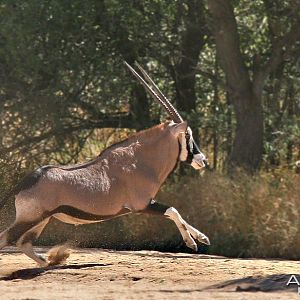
column 245, row 90
column 62, row 78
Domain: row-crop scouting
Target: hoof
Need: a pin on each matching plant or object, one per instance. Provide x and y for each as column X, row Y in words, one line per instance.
column 43, row 263
column 203, row 239
column 192, row 246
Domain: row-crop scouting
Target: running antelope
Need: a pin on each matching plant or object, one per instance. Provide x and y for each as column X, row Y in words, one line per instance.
column 123, row 179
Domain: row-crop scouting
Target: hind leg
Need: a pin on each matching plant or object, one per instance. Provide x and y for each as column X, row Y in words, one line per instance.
column 11, row 235
column 24, row 243
column 3, row 239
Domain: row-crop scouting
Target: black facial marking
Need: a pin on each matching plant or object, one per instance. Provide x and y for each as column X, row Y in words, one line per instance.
column 82, row 215
column 189, row 148
column 189, row 158
column 196, row 149
column 192, row 148
column 155, row 208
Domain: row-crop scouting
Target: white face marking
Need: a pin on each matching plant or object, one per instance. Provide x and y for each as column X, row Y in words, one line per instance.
column 198, row 161
column 189, row 130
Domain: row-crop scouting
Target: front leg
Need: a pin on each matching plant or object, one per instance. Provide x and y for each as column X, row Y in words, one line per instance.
column 188, row 233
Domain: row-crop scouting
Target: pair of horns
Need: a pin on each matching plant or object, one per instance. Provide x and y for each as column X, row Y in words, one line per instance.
column 155, row 92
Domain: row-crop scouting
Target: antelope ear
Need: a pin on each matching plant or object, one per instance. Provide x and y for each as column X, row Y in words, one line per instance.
column 177, row 128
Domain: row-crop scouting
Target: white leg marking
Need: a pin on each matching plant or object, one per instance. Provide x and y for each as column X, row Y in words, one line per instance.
column 28, row 250
column 197, row 235
column 174, row 215
column 187, row 232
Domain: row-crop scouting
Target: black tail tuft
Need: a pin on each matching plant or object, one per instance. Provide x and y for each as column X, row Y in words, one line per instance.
column 26, row 183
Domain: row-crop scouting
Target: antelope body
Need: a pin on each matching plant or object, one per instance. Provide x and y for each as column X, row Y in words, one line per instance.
column 124, row 178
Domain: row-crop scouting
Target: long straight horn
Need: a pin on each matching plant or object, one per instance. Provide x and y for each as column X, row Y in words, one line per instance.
column 176, row 116
column 151, row 91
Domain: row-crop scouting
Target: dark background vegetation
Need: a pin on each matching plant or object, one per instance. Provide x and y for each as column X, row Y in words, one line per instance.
column 230, row 67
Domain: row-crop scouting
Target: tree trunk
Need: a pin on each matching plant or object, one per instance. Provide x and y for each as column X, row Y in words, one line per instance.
column 229, row 126
column 138, row 103
column 290, row 113
column 215, row 129
column 248, row 140
column 191, row 45
column 139, row 106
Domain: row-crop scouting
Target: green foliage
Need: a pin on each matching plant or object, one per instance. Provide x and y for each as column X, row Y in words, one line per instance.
column 65, row 93
column 62, row 73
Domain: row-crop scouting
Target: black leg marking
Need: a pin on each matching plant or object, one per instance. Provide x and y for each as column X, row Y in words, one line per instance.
column 155, row 208
column 29, row 237
column 17, row 230
column 184, row 227
column 32, row 234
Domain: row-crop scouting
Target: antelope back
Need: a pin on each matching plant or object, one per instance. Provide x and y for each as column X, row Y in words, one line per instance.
column 125, row 175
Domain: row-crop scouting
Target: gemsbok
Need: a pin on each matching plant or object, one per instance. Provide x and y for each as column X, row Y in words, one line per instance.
column 123, row 179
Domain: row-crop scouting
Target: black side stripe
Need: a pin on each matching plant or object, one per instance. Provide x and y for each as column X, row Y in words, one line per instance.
column 82, row 215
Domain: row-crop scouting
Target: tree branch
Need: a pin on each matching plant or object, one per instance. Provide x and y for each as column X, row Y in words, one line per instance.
column 281, row 47
column 120, row 120
column 214, row 79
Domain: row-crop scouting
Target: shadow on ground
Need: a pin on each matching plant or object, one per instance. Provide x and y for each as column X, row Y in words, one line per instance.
column 271, row 283
column 173, row 255
column 31, row 273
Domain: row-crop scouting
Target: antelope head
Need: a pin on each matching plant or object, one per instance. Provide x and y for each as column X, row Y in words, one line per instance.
column 190, row 152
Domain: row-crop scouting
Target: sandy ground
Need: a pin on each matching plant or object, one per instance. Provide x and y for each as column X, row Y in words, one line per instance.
column 106, row 274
